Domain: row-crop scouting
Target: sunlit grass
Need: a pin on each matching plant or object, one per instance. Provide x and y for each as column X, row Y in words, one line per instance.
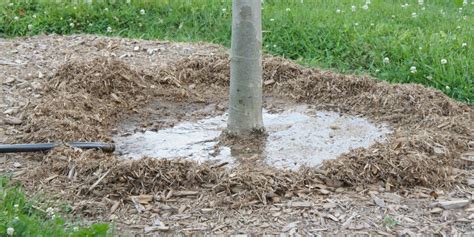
column 20, row 216
column 436, row 38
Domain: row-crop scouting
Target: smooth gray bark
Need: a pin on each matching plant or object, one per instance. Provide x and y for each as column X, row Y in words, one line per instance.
column 245, row 108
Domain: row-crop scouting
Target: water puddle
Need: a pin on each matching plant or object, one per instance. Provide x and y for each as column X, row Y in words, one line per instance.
column 296, row 137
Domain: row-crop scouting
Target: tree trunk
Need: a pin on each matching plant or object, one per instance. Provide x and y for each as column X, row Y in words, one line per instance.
column 245, row 108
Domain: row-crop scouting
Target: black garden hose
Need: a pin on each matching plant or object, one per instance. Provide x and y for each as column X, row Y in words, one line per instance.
column 11, row 148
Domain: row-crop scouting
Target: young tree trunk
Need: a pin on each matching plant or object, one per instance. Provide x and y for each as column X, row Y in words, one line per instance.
column 245, row 108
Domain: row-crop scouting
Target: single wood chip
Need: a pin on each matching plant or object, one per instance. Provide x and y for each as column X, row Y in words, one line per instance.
column 330, row 216
column 454, row 204
column 436, row 210
column 143, row 199
column 302, row 204
column 469, row 156
column 324, row 191
column 158, row 222
column 18, row 63
column 169, row 194
column 12, row 120
column 470, row 182
column 51, row 178
column 290, row 226
column 115, row 97
column 464, row 220
column 349, row 220
column 114, row 207
column 329, row 205
column 19, row 173
column 139, row 207
column 269, row 82
column 207, row 210
column 219, row 165
column 407, row 232
column 181, row 209
column 9, row 111
column 185, row 193
column 9, row 80
column 98, row 181
column 71, row 173
column 150, row 229
column 218, row 227
column 392, row 197
column 378, row 201
column 334, row 127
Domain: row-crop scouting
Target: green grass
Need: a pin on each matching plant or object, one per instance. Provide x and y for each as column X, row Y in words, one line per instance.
column 312, row 32
column 22, row 217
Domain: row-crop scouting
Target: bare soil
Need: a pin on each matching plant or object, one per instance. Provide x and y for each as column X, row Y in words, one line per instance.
column 88, row 88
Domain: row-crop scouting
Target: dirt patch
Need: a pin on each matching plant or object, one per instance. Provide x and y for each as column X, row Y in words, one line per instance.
column 88, row 99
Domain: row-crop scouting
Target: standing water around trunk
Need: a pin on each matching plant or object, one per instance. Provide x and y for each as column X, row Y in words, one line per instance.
column 296, row 137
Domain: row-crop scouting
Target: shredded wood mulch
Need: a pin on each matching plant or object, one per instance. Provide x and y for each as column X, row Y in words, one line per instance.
column 87, row 98
column 431, row 130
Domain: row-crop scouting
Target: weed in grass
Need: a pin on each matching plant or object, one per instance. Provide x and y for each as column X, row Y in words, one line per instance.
column 22, row 217
column 435, row 37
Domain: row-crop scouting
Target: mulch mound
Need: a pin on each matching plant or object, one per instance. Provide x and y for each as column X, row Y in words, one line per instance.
column 85, row 101
column 431, row 130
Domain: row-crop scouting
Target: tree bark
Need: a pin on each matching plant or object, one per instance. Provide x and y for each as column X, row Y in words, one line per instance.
column 245, row 107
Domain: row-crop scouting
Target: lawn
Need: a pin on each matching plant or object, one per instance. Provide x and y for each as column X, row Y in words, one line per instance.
column 37, row 216
column 397, row 41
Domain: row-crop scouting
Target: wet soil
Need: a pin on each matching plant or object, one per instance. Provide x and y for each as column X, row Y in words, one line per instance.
column 63, row 88
column 294, row 137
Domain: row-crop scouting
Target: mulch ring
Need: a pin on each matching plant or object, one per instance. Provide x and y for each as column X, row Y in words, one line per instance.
column 87, row 100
